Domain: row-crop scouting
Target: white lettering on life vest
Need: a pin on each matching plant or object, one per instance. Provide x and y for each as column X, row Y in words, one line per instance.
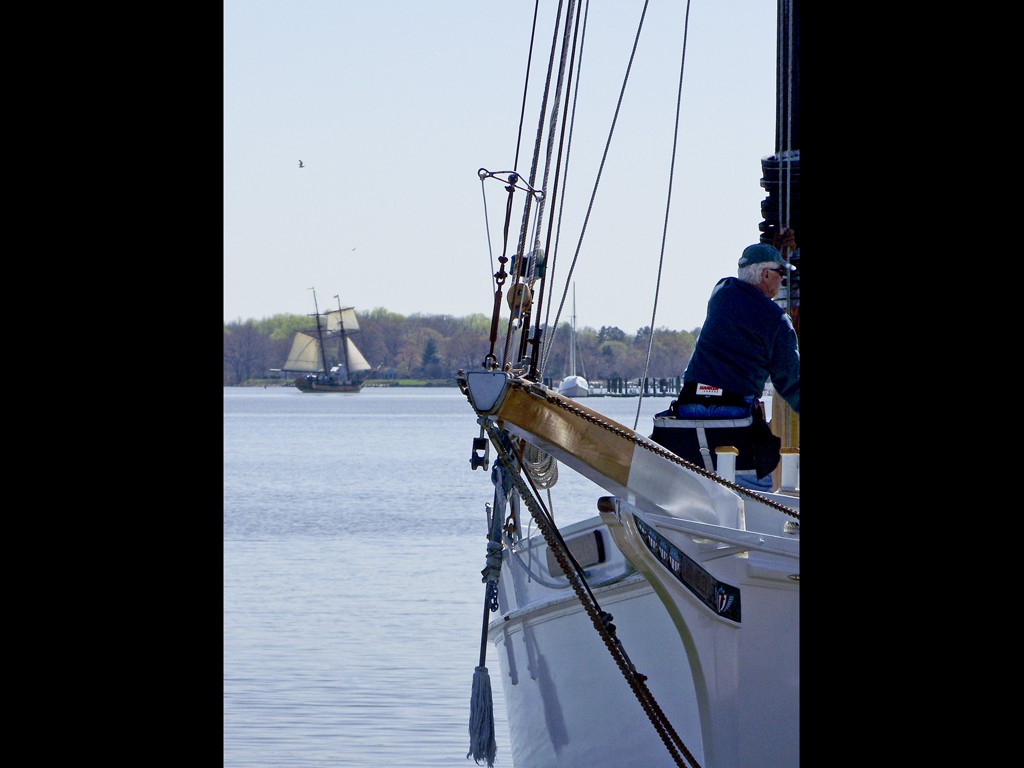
column 707, row 389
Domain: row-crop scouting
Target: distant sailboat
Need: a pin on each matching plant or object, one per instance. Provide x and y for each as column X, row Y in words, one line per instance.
column 574, row 385
column 309, row 353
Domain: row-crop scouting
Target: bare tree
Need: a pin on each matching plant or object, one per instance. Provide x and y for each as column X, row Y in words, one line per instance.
column 246, row 353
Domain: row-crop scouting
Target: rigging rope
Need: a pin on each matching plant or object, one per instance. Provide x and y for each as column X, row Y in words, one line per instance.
column 565, row 76
column 649, row 445
column 482, row 743
column 538, row 220
column 549, row 343
column 526, row 81
column 487, row 226
column 604, row 157
column 521, row 245
column 601, row 620
column 668, row 208
column 539, row 469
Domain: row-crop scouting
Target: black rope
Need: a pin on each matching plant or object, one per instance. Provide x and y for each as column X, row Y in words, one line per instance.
column 601, row 619
column 604, row 157
column 668, row 208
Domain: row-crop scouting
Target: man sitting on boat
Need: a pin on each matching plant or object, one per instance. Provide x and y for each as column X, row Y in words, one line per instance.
column 746, row 339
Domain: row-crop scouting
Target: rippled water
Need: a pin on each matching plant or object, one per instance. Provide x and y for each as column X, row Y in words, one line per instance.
column 354, row 537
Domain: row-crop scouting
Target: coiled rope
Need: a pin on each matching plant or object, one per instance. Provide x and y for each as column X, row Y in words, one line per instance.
column 540, row 466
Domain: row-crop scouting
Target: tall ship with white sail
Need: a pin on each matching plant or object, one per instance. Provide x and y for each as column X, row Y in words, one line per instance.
column 326, row 355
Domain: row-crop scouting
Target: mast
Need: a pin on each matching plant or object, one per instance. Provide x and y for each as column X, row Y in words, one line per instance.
column 781, row 179
column 572, row 345
column 343, row 344
column 781, row 171
column 320, row 333
column 787, row 112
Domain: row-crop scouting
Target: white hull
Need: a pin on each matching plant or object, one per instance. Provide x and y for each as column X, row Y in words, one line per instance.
column 701, row 579
column 574, row 386
column 567, row 702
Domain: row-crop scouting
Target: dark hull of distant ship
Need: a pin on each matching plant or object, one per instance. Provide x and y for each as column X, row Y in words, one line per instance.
column 311, row 385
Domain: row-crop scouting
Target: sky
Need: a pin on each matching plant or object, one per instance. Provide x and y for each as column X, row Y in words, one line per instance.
column 393, row 105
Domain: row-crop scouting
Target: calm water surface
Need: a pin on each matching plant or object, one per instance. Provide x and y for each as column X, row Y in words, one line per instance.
column 354, row 537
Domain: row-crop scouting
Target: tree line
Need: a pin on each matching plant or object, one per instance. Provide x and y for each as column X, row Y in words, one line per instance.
column 434, row 347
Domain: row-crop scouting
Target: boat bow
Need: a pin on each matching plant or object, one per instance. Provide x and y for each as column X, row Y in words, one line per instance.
column 723, row 561
column 611, row 455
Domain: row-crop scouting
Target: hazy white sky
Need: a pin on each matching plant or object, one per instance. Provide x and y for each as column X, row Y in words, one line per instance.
column 393, row 105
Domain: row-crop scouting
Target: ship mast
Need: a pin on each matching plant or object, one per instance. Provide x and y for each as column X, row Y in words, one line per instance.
column 572, row 345
column 343, row 345
column 781, row 179
column 320, row 333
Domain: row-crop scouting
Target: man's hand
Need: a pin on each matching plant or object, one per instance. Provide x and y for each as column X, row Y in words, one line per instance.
column 784, row 238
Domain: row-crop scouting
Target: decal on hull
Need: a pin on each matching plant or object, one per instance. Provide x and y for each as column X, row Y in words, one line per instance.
column 722, row 598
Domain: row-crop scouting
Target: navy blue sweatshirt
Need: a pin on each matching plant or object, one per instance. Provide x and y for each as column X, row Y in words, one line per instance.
column 746, row 339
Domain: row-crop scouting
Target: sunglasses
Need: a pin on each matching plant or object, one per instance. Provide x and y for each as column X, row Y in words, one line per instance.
column 780, row 272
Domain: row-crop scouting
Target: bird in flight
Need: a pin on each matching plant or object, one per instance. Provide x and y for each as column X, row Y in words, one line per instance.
column 301, row 165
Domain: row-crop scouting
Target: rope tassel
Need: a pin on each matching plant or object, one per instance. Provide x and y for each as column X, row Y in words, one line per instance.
column 481, row 709
column 481, row 720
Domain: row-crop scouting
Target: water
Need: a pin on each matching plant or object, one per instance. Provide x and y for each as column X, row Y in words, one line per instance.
column 354, row 537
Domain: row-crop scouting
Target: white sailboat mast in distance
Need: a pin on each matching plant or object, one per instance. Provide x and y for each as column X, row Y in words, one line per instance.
column 574, row 385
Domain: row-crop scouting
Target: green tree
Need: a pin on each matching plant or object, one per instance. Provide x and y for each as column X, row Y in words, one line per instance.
column 433, row 366
column 610, row 333
column 435, row 346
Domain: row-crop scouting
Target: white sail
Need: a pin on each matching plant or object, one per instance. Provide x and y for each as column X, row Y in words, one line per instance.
column 304, row 355
column 342, row 319
column 331, row 347
column 356, row 362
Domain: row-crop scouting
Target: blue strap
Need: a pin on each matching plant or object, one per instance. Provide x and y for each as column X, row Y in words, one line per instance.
column 702, row 411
